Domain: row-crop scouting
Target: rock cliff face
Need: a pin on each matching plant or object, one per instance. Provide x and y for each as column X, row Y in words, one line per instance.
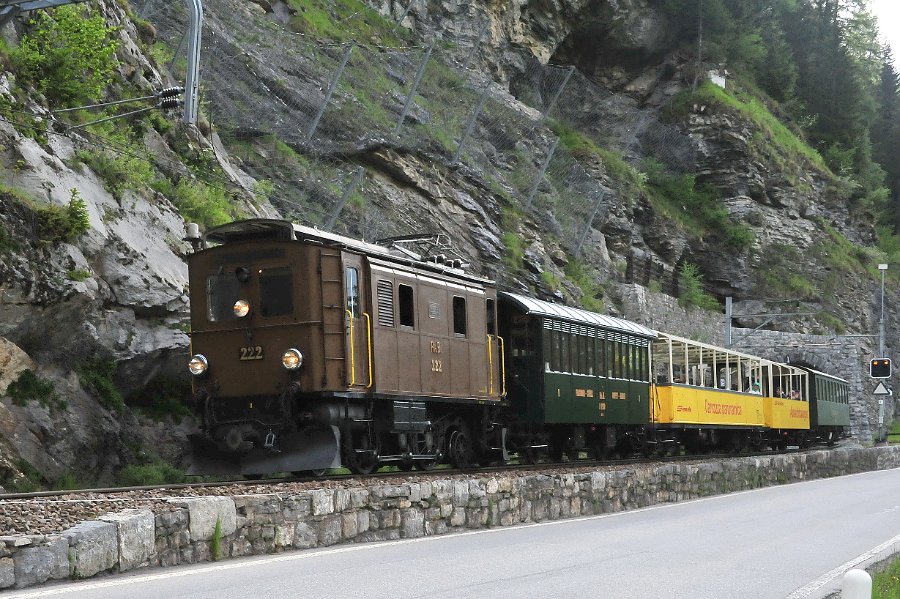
column 118, row 292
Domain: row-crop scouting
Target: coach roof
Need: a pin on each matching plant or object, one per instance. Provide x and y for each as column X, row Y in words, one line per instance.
column 542, row 308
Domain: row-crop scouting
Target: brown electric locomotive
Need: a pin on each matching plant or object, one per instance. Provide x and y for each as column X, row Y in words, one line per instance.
column 312, row 350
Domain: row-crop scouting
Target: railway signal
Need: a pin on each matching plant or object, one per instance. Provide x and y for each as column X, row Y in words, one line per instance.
column 880, row 368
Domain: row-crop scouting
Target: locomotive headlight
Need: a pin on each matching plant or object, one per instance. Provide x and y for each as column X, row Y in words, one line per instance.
column 241, row 308
column 198, row 364
column 292, row 359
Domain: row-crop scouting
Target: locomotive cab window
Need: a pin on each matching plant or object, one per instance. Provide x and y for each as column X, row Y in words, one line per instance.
column 276, row 292
column 352, row 283
column 407, row 305
column 222, row 291
column 459, row 315
column 491, row 321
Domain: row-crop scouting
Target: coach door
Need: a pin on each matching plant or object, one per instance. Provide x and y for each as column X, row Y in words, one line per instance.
column 357, row 323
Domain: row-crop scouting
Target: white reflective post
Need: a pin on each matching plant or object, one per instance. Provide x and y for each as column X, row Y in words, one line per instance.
column 857, row 584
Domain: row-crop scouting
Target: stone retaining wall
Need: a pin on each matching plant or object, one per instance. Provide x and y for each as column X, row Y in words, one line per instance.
column 202, row 529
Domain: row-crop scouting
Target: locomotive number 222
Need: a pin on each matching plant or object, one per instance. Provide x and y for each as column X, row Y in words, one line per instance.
column 252, row 352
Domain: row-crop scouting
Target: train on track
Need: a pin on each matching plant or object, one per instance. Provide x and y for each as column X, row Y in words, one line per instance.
column 313, row 351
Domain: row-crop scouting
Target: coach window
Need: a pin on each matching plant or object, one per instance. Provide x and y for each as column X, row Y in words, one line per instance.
column 407, row 306
column 459, row 315
column 221, row 294
column 276, row 286
column 565, row 364
column 352, row 277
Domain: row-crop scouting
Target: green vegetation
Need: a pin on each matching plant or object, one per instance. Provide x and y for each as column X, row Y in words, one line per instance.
column 696, row 210
column 96, row 376
column 163, row 397
column 30, row 481
column 886, row 582
column 215, row 544
column 202, row 203
column 63, row 224
column 30, row 387
column 578, row 273
column 775, row 133
column 119, row 171
column 7, row 243
column 894, row 432
column 78, row 275
column 156, row 472
column 67, row 55
column 783, row 278
column 510, row 220
column 691, row 292
column 343, row 21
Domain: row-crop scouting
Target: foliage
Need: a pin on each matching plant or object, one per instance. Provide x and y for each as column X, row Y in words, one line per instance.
column 696, row 209
column 886, row 582
column 97, row 376
column 578, row 273
column 119, row 171
column 203, row 204
column 78, row 275
column 163, row 397
column 776, row 135
column 63, row 224
column 510, row 219
column 783, row 275
column 215, row 544
column 691, row 292
column 67, row 55
column 30, row 481
column 30, row 387
column 157, row 472
column 344, row 21
column 7, row 243
column 550, row 280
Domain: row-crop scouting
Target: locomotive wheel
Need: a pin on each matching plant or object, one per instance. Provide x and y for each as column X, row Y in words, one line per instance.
column 460, row 449
column 361, row 458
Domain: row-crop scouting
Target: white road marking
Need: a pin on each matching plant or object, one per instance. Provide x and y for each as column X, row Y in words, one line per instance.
column 805, row 591
column 193, row 569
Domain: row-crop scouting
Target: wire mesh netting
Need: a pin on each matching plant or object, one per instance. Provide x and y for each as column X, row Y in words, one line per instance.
column 311, row 108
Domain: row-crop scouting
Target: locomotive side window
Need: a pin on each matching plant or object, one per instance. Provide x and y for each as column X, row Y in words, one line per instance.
column 491, row 318
column 352, row 290
column 385, row 303
column 407, row 306
column 459, row 315
column 276, row 292
column 221, row 293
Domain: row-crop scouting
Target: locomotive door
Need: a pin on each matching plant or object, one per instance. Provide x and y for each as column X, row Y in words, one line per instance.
column 357, row 323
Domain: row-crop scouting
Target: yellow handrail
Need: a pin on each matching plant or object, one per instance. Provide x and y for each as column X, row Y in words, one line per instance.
column 502, row 364
column 490, row 367
column 352, row 350
column 369, row 339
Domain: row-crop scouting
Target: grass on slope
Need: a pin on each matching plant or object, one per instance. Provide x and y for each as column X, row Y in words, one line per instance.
column 750, row 107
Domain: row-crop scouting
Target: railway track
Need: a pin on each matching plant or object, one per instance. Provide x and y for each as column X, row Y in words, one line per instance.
column 329, row 480
column 51, row 512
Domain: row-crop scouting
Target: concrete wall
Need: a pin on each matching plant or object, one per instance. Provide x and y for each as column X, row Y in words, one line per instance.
column 191, row 530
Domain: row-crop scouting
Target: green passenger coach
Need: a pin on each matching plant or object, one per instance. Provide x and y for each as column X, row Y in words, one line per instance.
column 829, row 414
column 578, row 381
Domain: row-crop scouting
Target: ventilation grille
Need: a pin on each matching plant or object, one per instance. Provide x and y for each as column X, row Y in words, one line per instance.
column 385, row 303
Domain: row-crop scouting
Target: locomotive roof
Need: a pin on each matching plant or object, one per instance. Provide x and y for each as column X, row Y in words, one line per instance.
column 268, row 228
column 547, row 309
column 824, row 374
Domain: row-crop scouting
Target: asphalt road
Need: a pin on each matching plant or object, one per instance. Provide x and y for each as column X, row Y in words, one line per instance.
column 787, row 541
